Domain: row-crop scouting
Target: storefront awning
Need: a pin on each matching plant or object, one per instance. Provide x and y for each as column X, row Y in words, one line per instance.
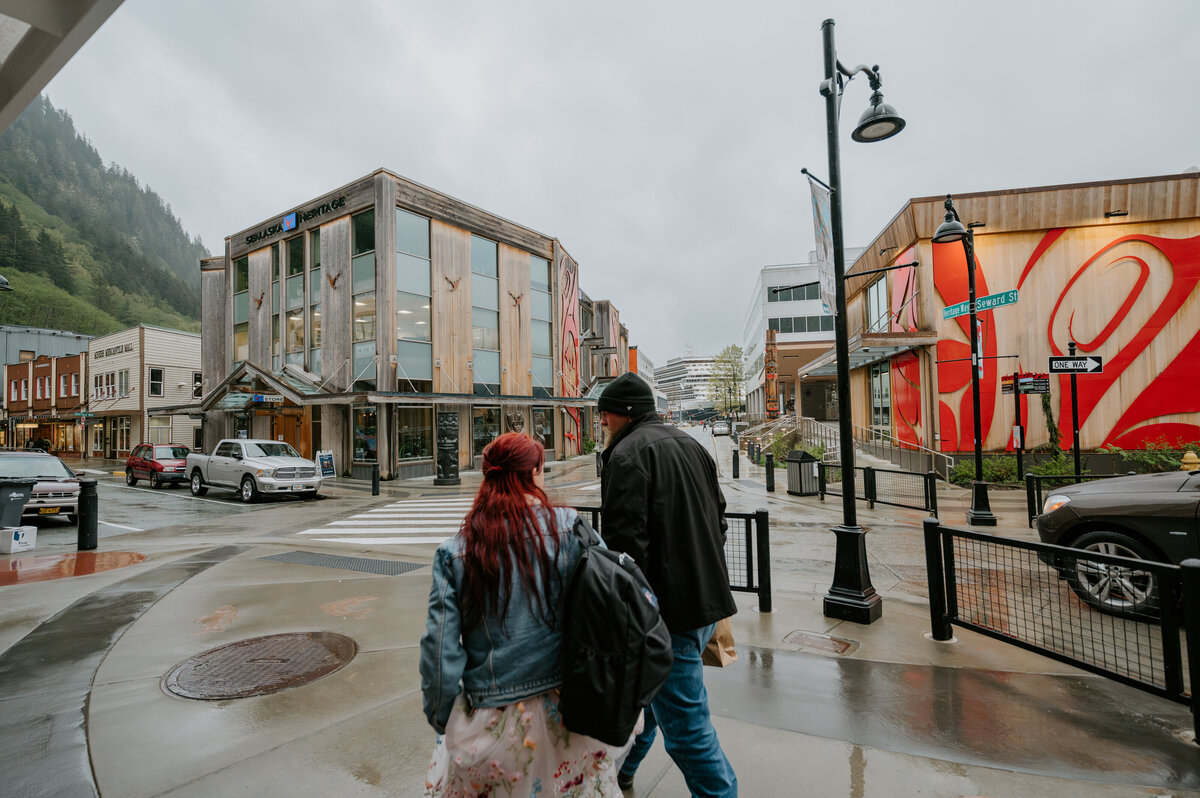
column 866, row 350
column 385, row 397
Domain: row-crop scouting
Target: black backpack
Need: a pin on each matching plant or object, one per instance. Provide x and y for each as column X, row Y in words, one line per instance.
column 616, row 648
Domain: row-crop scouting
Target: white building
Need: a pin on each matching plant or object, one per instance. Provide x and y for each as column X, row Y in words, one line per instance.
column 804, row 331
column 133, row 371
column 687, row 382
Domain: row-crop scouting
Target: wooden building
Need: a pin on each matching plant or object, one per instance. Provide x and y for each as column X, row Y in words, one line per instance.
column 1112, row 266
column 44, row 400
column 353, row 321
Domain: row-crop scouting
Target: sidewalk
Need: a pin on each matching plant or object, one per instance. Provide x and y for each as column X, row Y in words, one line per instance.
column 812, row 707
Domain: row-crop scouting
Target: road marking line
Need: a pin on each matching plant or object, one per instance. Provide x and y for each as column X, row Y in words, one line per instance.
column 121, row 526
column 366, row 530
column 373, row 541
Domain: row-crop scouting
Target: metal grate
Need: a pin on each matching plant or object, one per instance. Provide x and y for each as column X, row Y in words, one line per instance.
column 363, row 564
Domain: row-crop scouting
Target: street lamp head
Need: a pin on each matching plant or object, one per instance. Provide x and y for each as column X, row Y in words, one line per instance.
column 952, row 229
column 880, row 121
column 4, row 286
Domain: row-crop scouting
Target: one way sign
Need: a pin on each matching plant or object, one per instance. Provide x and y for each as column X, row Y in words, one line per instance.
column 1076, row 365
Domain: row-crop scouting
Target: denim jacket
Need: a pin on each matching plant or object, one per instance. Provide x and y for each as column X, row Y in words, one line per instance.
column 494, row 663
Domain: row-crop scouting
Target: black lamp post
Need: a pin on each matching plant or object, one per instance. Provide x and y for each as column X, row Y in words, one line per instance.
column 949, row 231
column 851, row 597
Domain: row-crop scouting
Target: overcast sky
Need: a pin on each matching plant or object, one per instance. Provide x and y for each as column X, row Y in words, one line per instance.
column 661, row 142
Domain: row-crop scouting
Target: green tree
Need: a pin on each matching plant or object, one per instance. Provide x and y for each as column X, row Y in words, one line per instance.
column 728, row 377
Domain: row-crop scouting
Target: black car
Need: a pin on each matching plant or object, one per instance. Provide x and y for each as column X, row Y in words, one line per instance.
column 1144, row 517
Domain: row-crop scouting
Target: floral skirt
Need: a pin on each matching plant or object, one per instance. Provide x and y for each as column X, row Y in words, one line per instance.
column 520, row 750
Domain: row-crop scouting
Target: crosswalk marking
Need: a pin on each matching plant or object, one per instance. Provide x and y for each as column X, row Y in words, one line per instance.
column 413, row 521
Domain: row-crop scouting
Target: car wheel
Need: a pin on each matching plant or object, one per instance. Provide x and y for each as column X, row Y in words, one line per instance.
column 130, row 479
column 197, row 484
column 249, row 491
column 1118, row 590
column 154, row 480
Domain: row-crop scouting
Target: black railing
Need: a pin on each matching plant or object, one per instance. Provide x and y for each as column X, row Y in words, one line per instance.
column 747, row 551
column 912, row 489
column 1035, row 485
column 1128, row 620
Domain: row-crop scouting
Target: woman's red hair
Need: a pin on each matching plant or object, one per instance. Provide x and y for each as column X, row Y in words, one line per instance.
column 501, row 534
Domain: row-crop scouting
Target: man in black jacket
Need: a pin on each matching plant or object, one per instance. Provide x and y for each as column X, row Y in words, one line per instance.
column 661, row 505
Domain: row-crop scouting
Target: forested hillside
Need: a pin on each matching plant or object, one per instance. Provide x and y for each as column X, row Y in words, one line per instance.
column 85, row 247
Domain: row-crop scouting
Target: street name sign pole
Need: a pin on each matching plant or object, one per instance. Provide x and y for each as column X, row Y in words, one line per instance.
column 1075, row 365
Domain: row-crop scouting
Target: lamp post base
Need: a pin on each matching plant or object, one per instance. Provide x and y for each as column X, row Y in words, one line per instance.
column 980, row 513
column 852, row 597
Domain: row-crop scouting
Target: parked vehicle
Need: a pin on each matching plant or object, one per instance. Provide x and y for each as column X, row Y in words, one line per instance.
column 161, row 464
column 253, row 467
column 56, row 491
column 1143, row 517
column 720, row 428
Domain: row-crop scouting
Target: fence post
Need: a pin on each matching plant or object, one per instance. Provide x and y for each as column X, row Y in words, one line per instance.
column 736, row 474
column 868, row 486
column 374, row 479
column 1030, row 501
column 939, row 624
column 931, row 486
column 1189, row 571
column 86, row 515
column 821, row 481
column 770, row 473
column 762, row 539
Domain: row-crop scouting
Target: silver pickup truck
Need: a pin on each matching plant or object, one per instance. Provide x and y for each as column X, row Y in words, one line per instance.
column 253, row 467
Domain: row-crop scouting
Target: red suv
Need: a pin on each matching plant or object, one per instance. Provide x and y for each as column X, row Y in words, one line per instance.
column 161, row 463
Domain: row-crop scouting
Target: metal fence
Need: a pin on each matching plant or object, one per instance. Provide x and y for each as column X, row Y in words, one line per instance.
column 917, row 491
column 747, row 551
column 1128, row 620
column 1035, row 486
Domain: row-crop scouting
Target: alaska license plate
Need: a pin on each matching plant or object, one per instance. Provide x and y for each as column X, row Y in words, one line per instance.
column 297, row 487
column 48, row 511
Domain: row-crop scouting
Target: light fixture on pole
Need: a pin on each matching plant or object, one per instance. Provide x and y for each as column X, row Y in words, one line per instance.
column 949, row 231
column 4, row 286
column 851, row 597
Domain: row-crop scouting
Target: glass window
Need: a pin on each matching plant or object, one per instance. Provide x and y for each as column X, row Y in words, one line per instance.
column 412, row 274
column 412, row 316
column 877, row 307
column 543, row 376
column 486, row 367
column 241, row 341
column 485, row 329
column 773, row 324
column 122, row 430
column 771, row 295
column 160, row 432
column 412, row 234
column 483, row 256
column 785, row 324
column 241, row 307
column 274, row 262
column 362, row 273
column 365, row 430
column 485, row 292
column 812, row 291
column 197, row 385
column 414, row 433
column 295, row 292
column 364, row 316
column 241, row 275
column 314, row 322
column 294, row 337
column 156, row 382
column 362, row 232
column 542, row 338
column 314, row 286
column 881, row 398
column 543, row 426
column 414, row 363
column 826, row 323
column 364, row 366
column 485, row 427
column 295, row 256
column 122, row 382
column 540, row 304
column 314, row 249
column 314, row 361
column 539, row 274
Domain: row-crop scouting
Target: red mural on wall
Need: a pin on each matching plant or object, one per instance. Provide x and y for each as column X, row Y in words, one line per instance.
column 568, row 344
column 906, row 398
column 1169, row 392
column 950, row 279
column 904, row 288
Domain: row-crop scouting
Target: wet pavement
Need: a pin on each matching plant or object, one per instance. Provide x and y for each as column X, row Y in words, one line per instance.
column 813, row 705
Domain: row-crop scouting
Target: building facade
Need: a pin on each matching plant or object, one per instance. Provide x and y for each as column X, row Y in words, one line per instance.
column 133, row 373
column 383, row 320
column 1111, row 266
column 45, row 401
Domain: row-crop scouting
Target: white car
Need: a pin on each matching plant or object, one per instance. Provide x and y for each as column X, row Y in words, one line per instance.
column 721, row 428
column 253, row 467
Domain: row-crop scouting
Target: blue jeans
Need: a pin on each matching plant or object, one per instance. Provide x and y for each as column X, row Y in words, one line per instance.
column 681, row 709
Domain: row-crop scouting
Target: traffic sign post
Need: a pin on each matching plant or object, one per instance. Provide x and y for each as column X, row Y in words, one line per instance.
column 1075, row 365
column 983, row 303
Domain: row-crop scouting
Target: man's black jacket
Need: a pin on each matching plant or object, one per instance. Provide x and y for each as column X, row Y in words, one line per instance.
column 663, row 507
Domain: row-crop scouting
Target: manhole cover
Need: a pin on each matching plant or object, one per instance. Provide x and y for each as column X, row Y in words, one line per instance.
column 260, row 665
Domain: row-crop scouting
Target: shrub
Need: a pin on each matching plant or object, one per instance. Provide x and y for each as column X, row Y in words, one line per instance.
column 998, row 470
column 1158, row 456
column 589, row 446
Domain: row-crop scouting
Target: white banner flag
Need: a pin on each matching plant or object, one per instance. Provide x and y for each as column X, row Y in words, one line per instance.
column 823, row 232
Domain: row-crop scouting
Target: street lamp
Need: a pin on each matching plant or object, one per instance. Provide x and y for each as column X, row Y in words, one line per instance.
column 4, row 286
column 851, row 597
column 949, row 231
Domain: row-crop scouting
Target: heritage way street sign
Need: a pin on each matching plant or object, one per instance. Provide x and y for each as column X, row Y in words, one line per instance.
column 982, row 303
column 1076, row 365
column 82, row 414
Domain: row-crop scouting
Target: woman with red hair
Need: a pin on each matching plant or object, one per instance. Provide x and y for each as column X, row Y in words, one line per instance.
column 491, row 655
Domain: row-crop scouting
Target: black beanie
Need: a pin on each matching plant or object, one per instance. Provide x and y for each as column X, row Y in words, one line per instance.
column 627, row 395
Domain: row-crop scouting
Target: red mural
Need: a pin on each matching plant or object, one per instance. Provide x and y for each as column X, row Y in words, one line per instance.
column 950, row 280
column 904, row 286
column 568, row 344
column 906, row 398
column 1170, row 390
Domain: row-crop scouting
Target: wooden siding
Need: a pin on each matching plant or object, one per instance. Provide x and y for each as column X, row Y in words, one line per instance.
column 385, row 316
column 260, row 308
column 336, row 304
column 450, row 249
column 216, row 341
column 516, row 313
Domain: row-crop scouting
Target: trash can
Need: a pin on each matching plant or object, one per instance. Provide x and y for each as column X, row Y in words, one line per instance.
column 14, row 494
column 802, row 474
